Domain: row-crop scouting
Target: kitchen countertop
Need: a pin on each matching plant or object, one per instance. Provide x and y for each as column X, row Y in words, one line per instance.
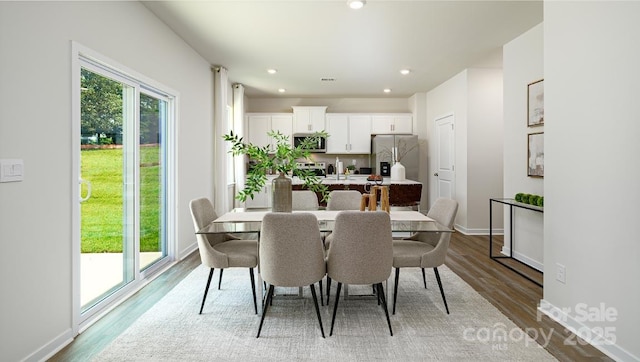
column 351, row 180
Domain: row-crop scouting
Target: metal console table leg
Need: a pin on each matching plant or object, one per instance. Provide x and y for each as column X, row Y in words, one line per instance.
column 511, row 203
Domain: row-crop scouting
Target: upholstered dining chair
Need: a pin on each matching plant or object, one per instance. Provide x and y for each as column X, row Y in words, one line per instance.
column 222, row 250
column 344, row 200
column 361, row 253
column 426, row 250
column 291, row 255
column 304, row 200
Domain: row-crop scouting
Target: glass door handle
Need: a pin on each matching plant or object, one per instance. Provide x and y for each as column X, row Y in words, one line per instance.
column 88, row 183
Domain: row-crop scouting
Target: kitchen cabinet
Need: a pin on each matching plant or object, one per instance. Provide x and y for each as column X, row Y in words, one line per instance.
column 259, row 124
column 348, row 133
column 308, row 119
column 400, row 123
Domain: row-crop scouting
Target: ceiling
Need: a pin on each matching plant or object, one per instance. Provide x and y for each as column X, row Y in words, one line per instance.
column 362, row 51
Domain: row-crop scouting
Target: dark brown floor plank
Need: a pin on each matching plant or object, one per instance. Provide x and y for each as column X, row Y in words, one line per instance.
column 513, row 295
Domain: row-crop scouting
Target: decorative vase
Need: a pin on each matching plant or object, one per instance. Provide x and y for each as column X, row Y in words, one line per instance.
column 397, row 172
column 282, row 194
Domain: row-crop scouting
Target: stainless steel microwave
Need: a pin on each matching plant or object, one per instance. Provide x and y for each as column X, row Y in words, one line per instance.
column 319, row 147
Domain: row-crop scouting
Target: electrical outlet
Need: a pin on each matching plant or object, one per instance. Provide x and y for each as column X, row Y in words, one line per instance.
column 561, row 273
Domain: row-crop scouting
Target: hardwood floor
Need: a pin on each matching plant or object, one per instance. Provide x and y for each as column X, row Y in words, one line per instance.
column 515, row 296
column 468, row 256
column 93, row 340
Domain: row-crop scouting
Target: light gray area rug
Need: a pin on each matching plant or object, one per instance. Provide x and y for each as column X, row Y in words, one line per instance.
column 172, row 330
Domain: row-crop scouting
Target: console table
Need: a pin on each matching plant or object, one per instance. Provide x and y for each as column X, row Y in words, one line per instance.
column 512, row 204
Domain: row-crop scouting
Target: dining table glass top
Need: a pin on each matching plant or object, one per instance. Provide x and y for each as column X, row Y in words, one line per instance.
column 241, row 220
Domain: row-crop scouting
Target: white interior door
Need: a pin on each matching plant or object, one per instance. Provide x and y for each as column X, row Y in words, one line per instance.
column 445, row 158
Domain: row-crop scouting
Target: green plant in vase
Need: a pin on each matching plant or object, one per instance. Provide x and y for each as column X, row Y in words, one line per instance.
column 282, row 158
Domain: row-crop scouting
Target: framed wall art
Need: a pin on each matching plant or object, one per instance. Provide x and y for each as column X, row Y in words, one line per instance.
column 535, row 103
column 535, row 155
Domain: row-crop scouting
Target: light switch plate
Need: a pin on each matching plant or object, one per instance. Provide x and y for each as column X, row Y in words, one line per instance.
column 11, row 170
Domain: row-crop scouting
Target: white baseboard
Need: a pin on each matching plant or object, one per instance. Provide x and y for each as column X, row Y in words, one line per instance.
column 592, row 336
column 54, row 346
column 187, row 251
column 466, row 231
column 523, row 258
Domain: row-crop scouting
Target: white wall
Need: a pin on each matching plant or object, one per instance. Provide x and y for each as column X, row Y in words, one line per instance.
column 523, row 63
column 450, row 98
column 35, row 125
column 592, row 198
column 484, row 145
column 474, row 98
column 334, row 105
column 418, row 104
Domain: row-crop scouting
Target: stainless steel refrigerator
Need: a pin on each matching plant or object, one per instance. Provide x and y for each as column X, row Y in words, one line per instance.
column 387, row 148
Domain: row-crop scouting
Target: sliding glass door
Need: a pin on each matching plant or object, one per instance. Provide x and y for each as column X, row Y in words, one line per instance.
column 125, row 189
column 106, row 211
column 153, row 172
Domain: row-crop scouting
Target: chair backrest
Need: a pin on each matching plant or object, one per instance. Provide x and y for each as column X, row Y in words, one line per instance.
column 304, row 200
column 202, row 213
column 444, row 211
column 291, row 252
column 361, row 251
column 344, row 200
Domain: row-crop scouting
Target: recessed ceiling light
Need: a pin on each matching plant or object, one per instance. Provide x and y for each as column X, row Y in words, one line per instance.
column 282, row 90
column 387, row 90
column 356, row 4
column 272, row 71
column 405, row 71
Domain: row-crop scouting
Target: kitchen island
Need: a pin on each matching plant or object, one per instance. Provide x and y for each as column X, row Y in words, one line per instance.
column 401, row 193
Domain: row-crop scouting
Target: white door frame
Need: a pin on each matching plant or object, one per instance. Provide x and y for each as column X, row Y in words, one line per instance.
column 79, row 55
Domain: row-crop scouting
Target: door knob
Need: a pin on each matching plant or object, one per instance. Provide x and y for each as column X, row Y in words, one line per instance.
column 435, row 174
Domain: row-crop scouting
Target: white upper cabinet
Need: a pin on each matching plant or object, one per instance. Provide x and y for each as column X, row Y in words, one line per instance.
column 392, row 124
column 283, row 123
column 308, row 119
column 348, row 133
column 258, row 125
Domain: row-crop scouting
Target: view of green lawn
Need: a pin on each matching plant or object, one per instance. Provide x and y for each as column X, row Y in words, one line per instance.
column 102, row 214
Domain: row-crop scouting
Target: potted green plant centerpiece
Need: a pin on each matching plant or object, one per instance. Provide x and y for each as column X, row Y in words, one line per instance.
column 282, row 158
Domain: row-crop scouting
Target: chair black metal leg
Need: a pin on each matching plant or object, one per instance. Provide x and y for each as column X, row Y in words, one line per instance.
column 328, row 289
column 384, row 305
column 264, row 310
column 253, row 289
column 315, row 303
column 424, row 279
column 395, row 289
column 321, row 296
column 206, row 290
column 220, row 279
column 335, row 307
column 441, row 290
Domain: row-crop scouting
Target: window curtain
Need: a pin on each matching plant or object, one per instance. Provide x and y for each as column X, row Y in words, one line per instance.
column 238, row 128
column 220, row 100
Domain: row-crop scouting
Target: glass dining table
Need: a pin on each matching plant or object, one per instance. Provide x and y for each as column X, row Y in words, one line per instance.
column 242, row 220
